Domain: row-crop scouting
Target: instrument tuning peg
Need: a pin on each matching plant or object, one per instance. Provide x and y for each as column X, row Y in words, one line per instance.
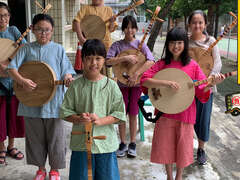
column 134, row 9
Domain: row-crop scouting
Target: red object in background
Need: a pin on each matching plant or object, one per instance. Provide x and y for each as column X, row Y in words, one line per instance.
column 78, row 58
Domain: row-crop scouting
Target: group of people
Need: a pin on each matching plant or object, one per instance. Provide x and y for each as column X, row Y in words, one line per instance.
column 97, row 99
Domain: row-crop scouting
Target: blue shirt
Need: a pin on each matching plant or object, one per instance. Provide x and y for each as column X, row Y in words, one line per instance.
column 54, row 55
column 13, row 34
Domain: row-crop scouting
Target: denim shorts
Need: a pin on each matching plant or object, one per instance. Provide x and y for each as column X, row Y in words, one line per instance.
column 104, row 166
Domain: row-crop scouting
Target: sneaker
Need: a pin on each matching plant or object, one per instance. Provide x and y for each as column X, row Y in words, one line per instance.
column 132, row 150
column 201, row 157
column 54, row 175
column 40, row 175
column 121, row 152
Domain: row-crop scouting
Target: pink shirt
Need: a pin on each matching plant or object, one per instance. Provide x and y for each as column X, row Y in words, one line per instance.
column 195, row 73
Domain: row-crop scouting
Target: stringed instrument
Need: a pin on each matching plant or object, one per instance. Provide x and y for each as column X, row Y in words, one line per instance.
column 89, row 140
column 125, row 70
column 93, row 27
column 204, row 56
column 170, row 101
column 9, row 48
column 45, row 78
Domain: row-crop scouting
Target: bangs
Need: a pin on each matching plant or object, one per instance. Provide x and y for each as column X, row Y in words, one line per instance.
column 93, row 47
column 177, row 34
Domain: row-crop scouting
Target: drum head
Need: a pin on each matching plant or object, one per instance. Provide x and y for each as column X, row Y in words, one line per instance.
column 128, row 68
column 93, row 27
column 43, row 75
column 7, row 49
column 171, row 101
column 204, row 61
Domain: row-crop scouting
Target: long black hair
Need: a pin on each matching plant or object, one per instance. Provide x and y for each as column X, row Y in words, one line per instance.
column 176, row 34
column 129, row 19
column 205, row 20
column 94, row 47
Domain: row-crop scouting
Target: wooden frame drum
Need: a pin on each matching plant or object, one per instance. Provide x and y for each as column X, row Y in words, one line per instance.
column 169, row 100
column 205, row 60
column 125, row 69
column 89, row 24
column 45, row 78
column 7, row 49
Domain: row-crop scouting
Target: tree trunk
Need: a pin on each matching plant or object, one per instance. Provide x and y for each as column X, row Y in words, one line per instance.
column 157, row 25
column 185, row 23
column 210, row 17
column 216, row 21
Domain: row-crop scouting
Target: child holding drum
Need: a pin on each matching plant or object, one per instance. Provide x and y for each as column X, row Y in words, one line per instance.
column 173, row 133
column 131, row 91
column 11, row 125
column 199, row 38
column 97, row 99
column 45, row 131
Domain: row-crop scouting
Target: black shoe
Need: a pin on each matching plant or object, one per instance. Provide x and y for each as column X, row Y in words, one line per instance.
column 121, row 152
column 132, row 150
column 201, row 157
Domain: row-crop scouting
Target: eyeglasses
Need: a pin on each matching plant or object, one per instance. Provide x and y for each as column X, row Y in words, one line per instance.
column 43, row 31
column 4, row 16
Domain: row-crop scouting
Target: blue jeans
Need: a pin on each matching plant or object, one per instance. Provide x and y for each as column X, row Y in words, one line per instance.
column 104, row 166
column 203, row 117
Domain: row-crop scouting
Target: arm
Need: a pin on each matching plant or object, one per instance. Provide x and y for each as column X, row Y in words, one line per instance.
column 27, row 84
column 103, row 121
column 154, row 83
column 116, row 60
column 217, row 60
column 77, row 29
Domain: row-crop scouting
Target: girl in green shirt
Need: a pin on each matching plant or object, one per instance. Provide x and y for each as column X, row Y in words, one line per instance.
column 97, row 99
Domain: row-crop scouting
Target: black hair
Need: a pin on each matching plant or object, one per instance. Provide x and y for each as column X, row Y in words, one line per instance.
column 94, row 47
column 176, row 34
column 42, row 17
column 126, row 21
column 5, row 6
column 205, row 20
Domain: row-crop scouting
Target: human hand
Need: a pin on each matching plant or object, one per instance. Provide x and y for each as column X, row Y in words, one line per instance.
column 214, row 79
column 132, row 80
column 68, row 79
column 172, row 85
column 131, row 59
column 83, row 118
column 28, row 84
column 95, row 119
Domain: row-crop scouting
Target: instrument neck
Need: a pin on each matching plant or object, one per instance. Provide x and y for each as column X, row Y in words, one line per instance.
column 60, row 82
column 198, row 83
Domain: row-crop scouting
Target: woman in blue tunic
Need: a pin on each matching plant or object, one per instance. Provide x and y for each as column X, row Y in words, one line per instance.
column 11, row 125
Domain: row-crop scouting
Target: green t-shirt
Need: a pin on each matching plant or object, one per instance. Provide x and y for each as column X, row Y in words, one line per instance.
column 94, row 97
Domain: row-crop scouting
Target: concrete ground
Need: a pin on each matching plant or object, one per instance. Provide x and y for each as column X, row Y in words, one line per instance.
column 222, row 149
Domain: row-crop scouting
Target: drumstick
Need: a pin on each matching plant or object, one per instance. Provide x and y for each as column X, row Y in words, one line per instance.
column 233, row 73
column 30, row 27
column 222, row 35
column 135, row 4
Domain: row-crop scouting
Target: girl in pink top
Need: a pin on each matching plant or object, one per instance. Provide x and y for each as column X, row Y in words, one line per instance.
column 173, row 133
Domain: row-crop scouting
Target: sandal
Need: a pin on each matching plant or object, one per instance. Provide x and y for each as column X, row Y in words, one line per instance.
column 3, row 157
column 15, row 155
